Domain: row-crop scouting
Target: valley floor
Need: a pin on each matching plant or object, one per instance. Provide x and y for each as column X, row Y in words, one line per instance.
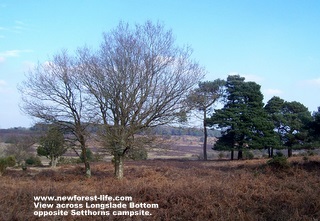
column 167, row 190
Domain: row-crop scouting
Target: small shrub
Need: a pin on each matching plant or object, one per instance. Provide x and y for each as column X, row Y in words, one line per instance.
column 248, row 155
column 138, row 154
column 33, row 161
column 279, row 161
column 11, row 161
column 97, row 157
column 5, row 162
column 311, row 153
column 68, row 160
column 89, row 155
column 24, row 166
column 221, row 155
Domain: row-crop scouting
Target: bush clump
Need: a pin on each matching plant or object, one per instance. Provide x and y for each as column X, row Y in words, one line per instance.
column 5, row 162
column 248, row 155
column 33, row 161
column 89, row 156
column 279, row 161
column 138, row 154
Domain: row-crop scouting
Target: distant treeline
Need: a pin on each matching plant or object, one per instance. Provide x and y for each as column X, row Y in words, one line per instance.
column 39, row 129
column 178, row 131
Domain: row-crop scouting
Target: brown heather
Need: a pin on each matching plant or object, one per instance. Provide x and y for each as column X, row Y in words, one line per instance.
column 184, row 190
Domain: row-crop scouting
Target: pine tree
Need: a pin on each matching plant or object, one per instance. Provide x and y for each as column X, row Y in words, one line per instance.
column 52, row 145
column 290, row 121
column 243, row 120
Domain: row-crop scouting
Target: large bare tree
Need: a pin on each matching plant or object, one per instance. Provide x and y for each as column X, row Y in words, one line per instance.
column 53, row 93
column 139, row 79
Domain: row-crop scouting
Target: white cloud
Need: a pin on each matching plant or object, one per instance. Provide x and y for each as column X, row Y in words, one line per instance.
column 4, row 87
column 273, row 92
column 248, row 77
column 10, row 53
column 19, row 22
column 2, row 83
column 13, row 53
column 252, row 77
column 312, row 82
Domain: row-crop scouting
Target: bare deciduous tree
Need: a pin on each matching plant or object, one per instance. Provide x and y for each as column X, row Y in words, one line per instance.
column 53, row 93
column 139, row 79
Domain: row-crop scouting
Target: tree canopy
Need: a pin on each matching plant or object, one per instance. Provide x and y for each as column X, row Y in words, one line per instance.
column 202, row 99
column 53, row 93
column 138, row 78
column 243, row 121
column 290, row 121
column 52, row 145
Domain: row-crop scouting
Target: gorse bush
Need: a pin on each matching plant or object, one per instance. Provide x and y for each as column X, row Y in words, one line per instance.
column 279, row 161
column 248, row 155
column 5, row 162
column 138, row 154
column 68, row 160
column 89, row 156
column 33, row 161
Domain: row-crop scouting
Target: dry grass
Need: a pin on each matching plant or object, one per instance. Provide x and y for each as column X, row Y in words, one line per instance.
column 184, row 190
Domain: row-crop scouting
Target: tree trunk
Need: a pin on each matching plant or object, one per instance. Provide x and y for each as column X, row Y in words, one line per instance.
column 84, row 154
column 205, row 133
column 289, row 151
column 232, row 154
column 118, row 166
column 240, row 155
column 88, row 169
column 270, row 152
column 54, row 161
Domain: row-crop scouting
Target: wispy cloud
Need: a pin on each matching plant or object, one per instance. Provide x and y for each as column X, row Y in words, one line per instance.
column 17, row 27
column 5, row 88
column 253, row 77
column 249, row 77
column 312, row 82
column 273, row 92
column 20, row 26
column 12, row 53
column 2, row 83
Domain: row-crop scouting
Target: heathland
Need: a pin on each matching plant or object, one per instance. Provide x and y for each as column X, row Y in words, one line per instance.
column 183, row 189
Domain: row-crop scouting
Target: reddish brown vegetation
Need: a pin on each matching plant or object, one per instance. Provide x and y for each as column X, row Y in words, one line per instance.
column 184, row 190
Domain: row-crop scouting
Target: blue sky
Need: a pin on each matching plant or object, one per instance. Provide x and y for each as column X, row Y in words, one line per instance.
column 274, row 43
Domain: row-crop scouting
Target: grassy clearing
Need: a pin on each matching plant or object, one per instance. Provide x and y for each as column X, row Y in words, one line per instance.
column 184, row 190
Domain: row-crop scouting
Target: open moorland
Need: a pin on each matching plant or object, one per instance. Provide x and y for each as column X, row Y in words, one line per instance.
column 176, row 189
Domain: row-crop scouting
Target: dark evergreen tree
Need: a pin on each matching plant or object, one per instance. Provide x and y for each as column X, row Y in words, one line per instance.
column 52, row 145
column 290, row 121
column 314, row 128
column 243, row 120
column 203, row 98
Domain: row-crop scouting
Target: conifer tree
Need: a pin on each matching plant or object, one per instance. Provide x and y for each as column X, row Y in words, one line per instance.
column 243, row 120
